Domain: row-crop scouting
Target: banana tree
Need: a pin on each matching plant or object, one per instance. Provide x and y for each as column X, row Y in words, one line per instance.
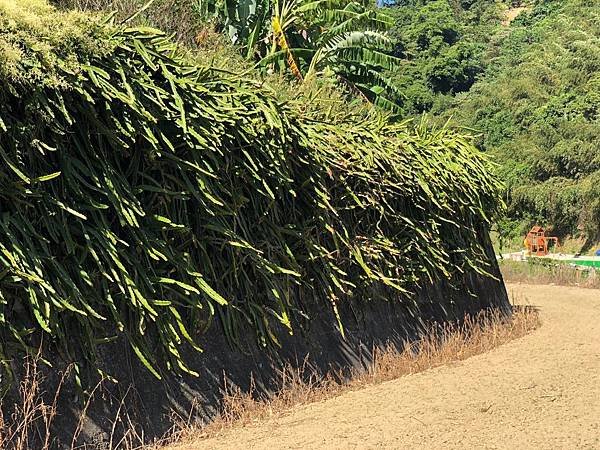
column 312, row 37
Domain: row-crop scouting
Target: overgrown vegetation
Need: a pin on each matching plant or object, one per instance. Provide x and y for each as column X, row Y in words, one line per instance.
column 346, row 42
column 143, row 196
column 521, row 73
column 312, row 38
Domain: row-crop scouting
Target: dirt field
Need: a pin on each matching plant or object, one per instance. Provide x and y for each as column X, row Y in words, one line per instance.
column 540, row 391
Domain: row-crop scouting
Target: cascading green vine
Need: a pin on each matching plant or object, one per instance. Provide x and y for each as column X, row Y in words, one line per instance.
column 142, row 196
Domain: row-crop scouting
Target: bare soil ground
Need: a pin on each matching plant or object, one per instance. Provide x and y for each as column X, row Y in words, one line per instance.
column 540, row 391
column 512, row 13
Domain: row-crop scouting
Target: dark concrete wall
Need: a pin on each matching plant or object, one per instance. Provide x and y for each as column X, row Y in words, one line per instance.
column 149, row 403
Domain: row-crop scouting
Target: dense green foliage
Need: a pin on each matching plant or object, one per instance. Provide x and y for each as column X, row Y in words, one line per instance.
column 309, row 38
column 142, row 196
column 538, row 107
column 344, row 41
column 529, row 86
column 442, row 46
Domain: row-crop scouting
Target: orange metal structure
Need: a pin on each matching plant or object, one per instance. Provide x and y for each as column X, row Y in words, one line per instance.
column 537, row 242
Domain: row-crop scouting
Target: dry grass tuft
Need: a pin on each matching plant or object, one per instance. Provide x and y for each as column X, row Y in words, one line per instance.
column 31, row 418
column 440, row 345
column 450, row 343
column 27, row 423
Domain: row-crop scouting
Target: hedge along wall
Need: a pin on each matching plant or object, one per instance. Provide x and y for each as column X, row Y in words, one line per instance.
column 143, row 198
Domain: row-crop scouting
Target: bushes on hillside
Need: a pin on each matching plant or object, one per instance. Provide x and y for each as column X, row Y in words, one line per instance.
column 538, row 110
column 442, row 45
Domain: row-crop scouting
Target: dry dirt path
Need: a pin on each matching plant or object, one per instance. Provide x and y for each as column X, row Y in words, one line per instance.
column 540, row 391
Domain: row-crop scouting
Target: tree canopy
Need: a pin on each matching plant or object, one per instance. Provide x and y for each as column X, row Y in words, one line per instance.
column 538, row 106
column 441, row 44
column 529, row 86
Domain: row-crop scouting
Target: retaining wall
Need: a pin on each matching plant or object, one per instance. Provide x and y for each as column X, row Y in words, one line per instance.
column 148, row 404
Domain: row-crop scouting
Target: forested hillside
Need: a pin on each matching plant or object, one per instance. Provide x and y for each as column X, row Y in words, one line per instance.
column 530, row 87
column 442, row 44
column 538, row 107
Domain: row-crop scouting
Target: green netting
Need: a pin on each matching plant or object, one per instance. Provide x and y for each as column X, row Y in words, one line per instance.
column 586, row 262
